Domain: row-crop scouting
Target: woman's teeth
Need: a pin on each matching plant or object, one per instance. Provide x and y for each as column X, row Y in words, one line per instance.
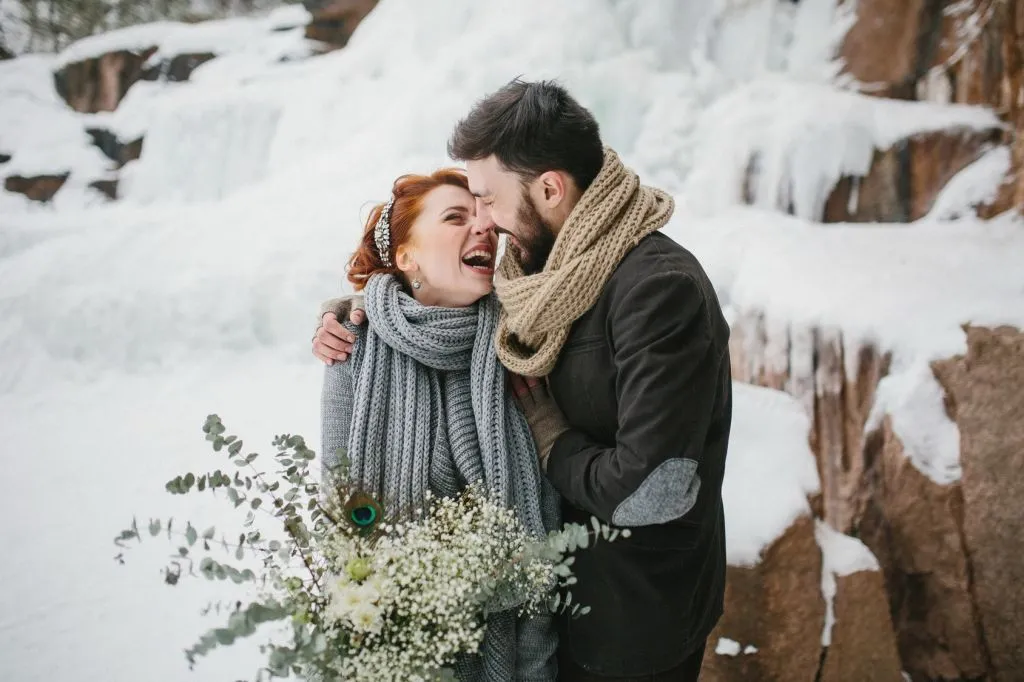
column 478, row 259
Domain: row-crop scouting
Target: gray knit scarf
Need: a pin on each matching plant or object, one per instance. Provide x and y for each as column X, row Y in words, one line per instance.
column 431, row 411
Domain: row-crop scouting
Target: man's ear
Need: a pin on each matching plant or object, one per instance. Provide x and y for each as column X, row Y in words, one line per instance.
column 550, row 189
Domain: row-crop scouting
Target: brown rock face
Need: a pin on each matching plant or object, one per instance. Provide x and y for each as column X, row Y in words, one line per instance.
column 105, row 187
column 178, row 68
column 988, row 401
column 966, row 52
column 777, row 607
column 130, row 151
column 100, row 84
column 113, row 148
column 38, row 188
column 911, row 524
column 950, row 554
column 905, row 180
column 334, row 21
column 810, row 364
column 863, row 645
column 896, row 25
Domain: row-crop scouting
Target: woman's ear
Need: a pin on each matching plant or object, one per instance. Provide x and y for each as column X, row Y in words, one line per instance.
column 405, row 259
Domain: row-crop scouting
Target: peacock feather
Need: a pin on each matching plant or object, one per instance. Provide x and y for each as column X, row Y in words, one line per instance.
column 363, row 512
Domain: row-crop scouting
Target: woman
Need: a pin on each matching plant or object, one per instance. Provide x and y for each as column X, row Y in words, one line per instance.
column 422, row 404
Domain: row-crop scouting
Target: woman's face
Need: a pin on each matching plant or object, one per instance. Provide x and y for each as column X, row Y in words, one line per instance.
column 448, row 252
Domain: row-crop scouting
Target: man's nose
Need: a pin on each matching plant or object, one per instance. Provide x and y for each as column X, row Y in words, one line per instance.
column 484, row 223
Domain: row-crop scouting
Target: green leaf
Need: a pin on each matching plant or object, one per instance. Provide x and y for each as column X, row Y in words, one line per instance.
column 235, row 448
column 256, row 502
column 201, row 483
column 251, row 457
column 183, row 551
column 273, row 545
column 154, row 526
column 190, row 535
column 209, row 533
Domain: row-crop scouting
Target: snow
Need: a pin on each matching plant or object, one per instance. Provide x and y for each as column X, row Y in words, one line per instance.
column 796, row 140
column 727, row 647
column 274, row 37
column 41, row 133
column 131, row 39
column 841, row 555
column 914, row 402
column 769, row 472
column 906, row 288
column 123, row 324
column 730, row 647
column 975, row 185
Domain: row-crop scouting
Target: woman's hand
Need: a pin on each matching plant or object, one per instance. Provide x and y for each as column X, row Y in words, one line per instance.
column 332, row 341
column 542, row 413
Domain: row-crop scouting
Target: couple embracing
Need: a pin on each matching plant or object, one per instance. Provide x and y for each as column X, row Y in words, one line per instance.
column 587, row 374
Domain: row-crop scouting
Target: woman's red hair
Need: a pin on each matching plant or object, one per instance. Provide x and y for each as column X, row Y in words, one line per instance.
column 408, row 191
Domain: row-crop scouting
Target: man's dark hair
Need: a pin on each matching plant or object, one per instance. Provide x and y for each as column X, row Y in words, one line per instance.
column 532, row 128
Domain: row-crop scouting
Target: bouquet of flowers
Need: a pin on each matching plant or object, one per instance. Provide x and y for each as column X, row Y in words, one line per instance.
column 364, row 597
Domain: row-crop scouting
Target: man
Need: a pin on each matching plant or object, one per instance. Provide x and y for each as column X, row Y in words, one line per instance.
column 626, row 328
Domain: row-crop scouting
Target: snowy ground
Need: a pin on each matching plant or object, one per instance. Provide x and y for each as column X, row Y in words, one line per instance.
column 122, row 326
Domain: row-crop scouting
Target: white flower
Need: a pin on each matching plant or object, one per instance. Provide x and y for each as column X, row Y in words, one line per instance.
column 348, row 598
column 367, row 618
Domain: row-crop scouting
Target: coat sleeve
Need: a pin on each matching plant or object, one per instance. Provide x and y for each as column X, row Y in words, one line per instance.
column 335, row 415
column 668, row 361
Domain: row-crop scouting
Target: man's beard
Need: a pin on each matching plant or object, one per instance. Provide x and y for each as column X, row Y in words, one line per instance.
column 536, row 239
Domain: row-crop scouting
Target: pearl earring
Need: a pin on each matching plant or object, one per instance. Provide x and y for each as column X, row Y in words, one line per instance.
column 416, row 284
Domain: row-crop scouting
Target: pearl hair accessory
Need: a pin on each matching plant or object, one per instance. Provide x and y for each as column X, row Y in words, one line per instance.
column 382, row 233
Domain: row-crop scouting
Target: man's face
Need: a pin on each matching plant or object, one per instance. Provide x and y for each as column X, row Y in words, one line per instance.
column 504, row 201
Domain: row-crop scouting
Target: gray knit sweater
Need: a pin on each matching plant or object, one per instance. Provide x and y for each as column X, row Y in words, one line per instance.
column 423, row 405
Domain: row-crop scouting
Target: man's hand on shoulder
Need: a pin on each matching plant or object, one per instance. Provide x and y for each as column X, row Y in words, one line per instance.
column 332, row 341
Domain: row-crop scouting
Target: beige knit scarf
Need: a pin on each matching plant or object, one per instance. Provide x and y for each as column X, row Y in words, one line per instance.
column 611, row 218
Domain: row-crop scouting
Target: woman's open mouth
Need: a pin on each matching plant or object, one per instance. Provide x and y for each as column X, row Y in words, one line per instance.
column 480, row 260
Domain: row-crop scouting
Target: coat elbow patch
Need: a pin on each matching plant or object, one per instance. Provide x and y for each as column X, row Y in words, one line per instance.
column 668, row 492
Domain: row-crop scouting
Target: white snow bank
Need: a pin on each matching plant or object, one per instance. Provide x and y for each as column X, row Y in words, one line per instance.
column 975, row 185
column 841, row 555
column 131, row 39
column 43, row 135
column 914, row 401
column 769, row 472
column 907, row 288
column 78, row 463
column 789, row 143
column 279, row 32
